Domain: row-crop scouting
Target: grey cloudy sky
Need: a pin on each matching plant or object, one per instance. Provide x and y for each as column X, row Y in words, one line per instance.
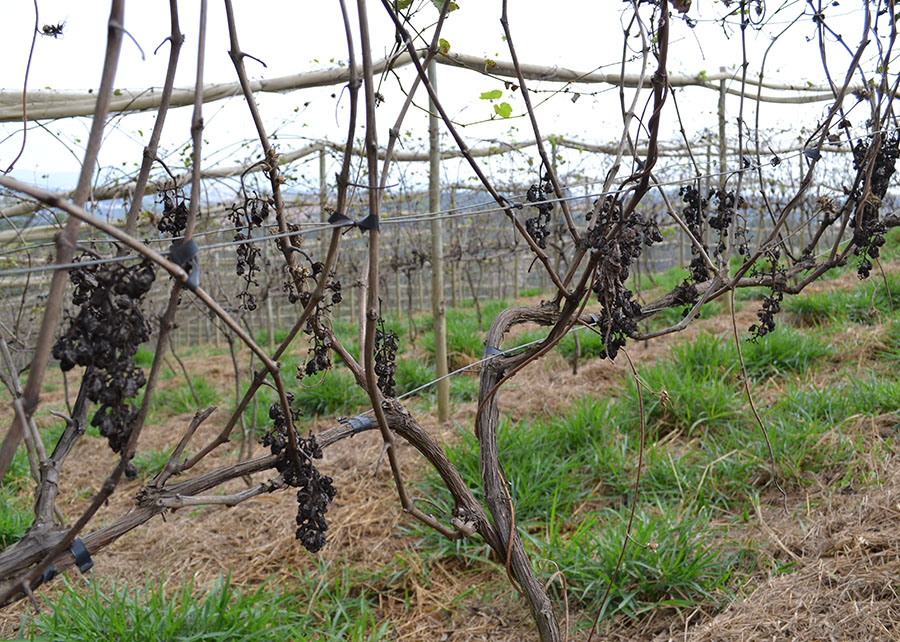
column 292, row 37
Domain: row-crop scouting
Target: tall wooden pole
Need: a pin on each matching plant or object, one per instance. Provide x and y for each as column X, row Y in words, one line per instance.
column 438, row 303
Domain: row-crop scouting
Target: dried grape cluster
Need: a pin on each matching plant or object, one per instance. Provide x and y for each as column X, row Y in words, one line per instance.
column 724, row 217
column 175, row 212
column 246, row 217
column 104, row 337
column 538, row 227
column 385, row 358
column 618, row 242
column 694, row 213
column 315, row 492
column 771, row 303
column 868, row 229
column 319, row 358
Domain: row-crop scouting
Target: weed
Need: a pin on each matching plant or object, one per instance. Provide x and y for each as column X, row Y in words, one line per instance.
column 179, row 400
column 150, row 462
column 107, row 610
column 332, row 393
column 785, row 350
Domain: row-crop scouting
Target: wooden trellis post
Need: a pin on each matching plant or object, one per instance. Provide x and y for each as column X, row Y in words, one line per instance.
column 438, row 303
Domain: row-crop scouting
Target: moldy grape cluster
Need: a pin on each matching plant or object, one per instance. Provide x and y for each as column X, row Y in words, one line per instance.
column 538, row 227
column 315, row 492
column 104, row 337
column 385, row 358
column 175, row 212
column 246, row 217
column 618, row 242
column 868, row 229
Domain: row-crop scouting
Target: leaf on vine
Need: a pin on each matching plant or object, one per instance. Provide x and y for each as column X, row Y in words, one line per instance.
column 491, row 95
column 444, row 46
column 504, row 110
column 403, row 4
column 440, row 5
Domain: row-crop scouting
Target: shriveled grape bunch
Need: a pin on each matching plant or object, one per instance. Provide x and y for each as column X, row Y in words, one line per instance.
column 694, row 213
column 175, row 212
column 618, row 242
column 868, row 228
column 246, row 217
column 315, row 492
column 772, row 302
column 385, row 358
column 103, row 338
column 319, row 357
column 538, row 227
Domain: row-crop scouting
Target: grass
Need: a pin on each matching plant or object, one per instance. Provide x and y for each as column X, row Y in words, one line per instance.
column 333, row 393
column 700, row 390
column 179, row 400
column 150, row 462
column 673, row 562
column 865, row 304
column 15, row 516
column 328, row 606
column 464, row 337
column 784, row 351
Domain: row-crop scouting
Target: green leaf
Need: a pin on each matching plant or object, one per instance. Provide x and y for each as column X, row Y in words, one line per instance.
column 491, row 95
column 504, row 110
column 403, row 4
column 444, row 46
column 440, row 5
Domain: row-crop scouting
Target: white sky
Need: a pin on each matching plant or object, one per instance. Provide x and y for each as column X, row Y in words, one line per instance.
column 292, row 37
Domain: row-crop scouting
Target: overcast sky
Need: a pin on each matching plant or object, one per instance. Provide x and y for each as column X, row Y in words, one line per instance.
column 292, row 37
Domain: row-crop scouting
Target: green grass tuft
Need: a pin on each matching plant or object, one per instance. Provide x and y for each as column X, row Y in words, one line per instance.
column 334, row 393
column 328, row 607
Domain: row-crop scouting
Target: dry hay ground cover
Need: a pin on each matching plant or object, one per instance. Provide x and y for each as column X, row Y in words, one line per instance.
column 716, row 552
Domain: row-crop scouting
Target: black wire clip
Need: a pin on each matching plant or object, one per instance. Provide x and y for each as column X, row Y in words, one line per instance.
column 490, row 351
column 82, row 560
column 185, row 255
column 369, row 223
column 340, row 220
column 359, row 424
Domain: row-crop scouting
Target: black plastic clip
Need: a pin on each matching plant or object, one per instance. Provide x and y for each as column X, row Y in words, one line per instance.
column 369, row 223
column 812, row 154
column 491, row 351
column 359, row 424
column 82, row 560
column 185, row 255
column 341, row 220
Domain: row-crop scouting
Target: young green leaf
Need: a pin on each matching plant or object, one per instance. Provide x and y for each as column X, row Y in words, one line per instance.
column 403, row 4
column 491, row 95
column 444, row 46
column 504, row 110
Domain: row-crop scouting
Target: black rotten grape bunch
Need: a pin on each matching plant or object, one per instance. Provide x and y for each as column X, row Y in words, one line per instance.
column 319, row 356
column 694, row 213
column 246, row 217
column 618, row 241
column 316, row 491
column 385, row 358
column 772, row 302
column 868, row 229
column 103, row 338
column 538, row 227
column 175, row 212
